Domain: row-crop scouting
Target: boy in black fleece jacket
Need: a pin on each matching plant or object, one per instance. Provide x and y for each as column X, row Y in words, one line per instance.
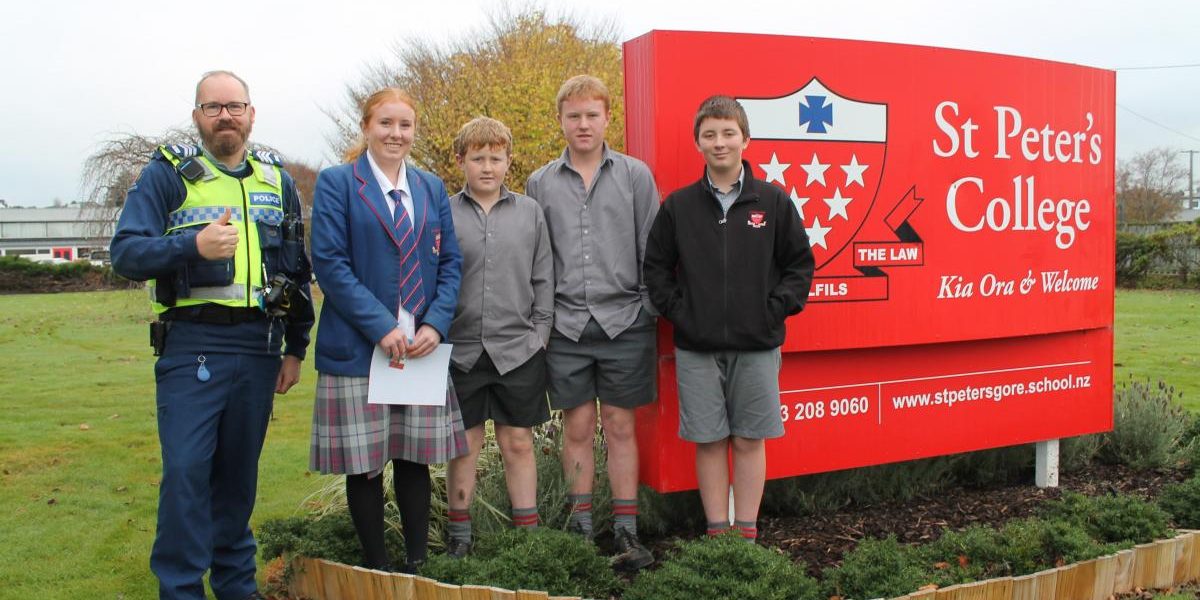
column 727, row 261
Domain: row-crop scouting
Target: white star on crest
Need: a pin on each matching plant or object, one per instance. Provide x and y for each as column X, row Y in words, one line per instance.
column 815, row 170
column 837, row 205
column 854, row 171
column 773, row 170
column 816, row 233
column 799, row 203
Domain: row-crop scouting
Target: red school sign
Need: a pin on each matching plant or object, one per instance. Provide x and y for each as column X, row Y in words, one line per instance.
column 961, row 210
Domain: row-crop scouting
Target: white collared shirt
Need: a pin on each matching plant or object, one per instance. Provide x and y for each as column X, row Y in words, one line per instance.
column 385, row 185
column 404, row 319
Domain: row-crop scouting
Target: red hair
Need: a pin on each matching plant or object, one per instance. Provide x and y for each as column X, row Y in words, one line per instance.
column 383, row 96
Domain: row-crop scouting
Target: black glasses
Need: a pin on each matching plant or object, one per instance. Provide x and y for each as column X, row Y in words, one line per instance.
column 212, row 109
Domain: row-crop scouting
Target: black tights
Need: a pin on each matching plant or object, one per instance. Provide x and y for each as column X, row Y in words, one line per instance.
column 364, row 495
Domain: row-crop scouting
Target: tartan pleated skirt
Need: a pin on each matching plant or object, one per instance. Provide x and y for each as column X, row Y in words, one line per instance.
column 350, row 436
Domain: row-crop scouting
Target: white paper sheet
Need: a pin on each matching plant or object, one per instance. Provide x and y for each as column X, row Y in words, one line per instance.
column 421, row 382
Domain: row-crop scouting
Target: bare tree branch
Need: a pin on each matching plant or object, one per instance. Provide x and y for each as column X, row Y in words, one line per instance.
column 1151, row 186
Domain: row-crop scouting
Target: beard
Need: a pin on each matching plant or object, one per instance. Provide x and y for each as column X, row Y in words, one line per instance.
column 225, row 138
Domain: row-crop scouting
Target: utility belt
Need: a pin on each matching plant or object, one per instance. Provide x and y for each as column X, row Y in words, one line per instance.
column 213, row 314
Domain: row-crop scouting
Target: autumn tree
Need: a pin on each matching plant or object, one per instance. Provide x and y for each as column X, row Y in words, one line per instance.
column 1151, row 186
column 510, row 71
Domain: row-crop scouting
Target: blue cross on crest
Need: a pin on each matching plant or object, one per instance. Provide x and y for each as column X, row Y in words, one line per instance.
column 816, row 113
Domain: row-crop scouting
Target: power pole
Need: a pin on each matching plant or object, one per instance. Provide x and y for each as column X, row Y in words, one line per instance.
column 1191, row 177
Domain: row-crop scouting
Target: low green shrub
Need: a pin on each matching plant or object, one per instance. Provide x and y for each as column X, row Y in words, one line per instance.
column 723, row 568
column 996, row 466
column 1182, row 502
column 877, row 568
column 1033, row 544
column 1147, row 426
column 331, row 537
column 560, row 563
column 1111, row 519
column 975, row 553
column 67, row 270
column 1189, row 441
column 20, row 275
column 1136, row 254
column 826, row 492
column 1076, row 453
column 1177, row 596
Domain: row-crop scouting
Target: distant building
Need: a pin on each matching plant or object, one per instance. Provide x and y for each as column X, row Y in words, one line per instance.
column 1187, row 215
column 69, row 232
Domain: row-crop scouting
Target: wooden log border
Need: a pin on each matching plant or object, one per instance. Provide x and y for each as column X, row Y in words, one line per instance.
column 1158, row 565
column 317, row 579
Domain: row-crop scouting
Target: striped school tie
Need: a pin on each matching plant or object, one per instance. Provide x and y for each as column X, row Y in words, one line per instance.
column 412, row 297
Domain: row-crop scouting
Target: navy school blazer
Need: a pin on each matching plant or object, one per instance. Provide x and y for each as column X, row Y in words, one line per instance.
column 356, row 259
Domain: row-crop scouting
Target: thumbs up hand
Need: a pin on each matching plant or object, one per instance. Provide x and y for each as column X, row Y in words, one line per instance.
column 219, row 239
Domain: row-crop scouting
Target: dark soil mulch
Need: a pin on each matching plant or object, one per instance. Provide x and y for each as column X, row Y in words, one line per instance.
column 820, row 540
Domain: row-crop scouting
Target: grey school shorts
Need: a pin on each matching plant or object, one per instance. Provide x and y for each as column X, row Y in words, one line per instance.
column 731, row 393
column 619, row 371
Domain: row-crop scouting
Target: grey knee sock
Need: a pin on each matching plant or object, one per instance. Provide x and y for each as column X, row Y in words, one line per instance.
column 580, row 506
column 459, row 525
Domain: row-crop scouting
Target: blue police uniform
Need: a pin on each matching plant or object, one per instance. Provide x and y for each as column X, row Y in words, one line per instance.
column 217, row 372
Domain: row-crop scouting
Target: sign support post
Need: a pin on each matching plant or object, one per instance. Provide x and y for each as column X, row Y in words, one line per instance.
column 1046, row 464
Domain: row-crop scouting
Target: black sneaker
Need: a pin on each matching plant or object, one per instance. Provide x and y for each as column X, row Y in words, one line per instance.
column 456, row 548
column 631, row 554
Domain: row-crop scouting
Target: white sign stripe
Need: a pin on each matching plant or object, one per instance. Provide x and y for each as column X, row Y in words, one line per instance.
column 934, row 377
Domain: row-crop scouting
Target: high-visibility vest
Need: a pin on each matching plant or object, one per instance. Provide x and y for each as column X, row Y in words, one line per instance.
column 209, row 192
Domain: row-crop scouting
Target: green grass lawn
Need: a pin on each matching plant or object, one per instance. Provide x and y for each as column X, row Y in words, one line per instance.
column 79, row 460
column 1158, row 337
column 79, row 457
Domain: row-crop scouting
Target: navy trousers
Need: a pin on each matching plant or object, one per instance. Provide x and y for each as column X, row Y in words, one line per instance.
column 211, row 434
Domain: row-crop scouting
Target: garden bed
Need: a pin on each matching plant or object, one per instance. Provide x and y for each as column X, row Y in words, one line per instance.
column 317, row 579
column 820, row 540
column 1158, row 565
column 943, row 524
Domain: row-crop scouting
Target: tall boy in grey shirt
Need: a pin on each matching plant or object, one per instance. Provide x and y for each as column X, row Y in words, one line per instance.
column 599, row 205
column 501, row 325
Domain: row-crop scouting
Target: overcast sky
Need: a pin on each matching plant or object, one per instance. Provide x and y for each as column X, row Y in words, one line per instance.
column 77, row 71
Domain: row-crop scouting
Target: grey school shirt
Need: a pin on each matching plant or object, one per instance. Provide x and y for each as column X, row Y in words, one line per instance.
column 506, row 301
column 599, row 239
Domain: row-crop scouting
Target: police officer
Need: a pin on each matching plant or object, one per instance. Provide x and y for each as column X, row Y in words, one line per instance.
column 216, row 230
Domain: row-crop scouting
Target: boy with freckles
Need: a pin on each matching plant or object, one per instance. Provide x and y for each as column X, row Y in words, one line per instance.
column 501, row 326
